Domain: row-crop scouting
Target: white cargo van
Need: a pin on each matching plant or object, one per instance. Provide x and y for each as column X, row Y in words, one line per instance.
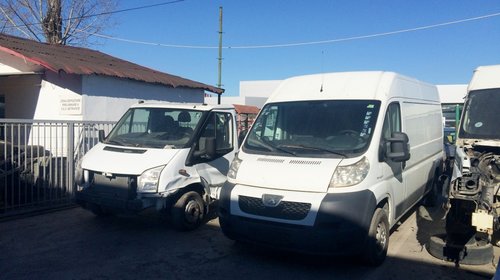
column 333, row 161
column 170, row 157
column 473, row 217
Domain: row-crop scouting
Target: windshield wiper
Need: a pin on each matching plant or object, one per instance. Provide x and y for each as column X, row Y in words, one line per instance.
column 115, row 142
column 271, row 147
column 313, row 148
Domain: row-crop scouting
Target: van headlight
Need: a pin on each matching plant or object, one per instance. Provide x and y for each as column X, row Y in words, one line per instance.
column 345, row 176
column 149, row 180
column 233, row 168
column 82, row 176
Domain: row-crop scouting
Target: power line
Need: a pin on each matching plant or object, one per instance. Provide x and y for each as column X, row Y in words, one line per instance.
column 103, row 13
column 130, row 9
column 284, row 45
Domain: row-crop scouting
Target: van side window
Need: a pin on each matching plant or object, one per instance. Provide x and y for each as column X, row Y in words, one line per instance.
column 219, row 126
column 223, row 131
column 392, row 121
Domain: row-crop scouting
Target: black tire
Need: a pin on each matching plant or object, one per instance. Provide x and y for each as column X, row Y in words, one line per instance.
column 100, row 211
column 188, row 212
column 472, row 253
column 378, row 239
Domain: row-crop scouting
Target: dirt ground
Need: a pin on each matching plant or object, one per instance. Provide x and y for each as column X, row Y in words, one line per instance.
column 74, row 244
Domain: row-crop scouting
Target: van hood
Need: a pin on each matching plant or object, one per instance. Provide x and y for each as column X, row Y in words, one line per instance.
column 285, row 173
column 125, row 160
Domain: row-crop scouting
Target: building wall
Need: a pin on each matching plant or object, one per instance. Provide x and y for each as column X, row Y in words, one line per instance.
column 252, row 93
column 258, row 88
column 452, row 94
column 107, row 98
column 20, row 94
column 55, row 92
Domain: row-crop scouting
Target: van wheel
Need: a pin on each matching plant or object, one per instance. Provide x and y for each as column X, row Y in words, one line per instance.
column 378, row 239
column 100, row 211
column 188, row 212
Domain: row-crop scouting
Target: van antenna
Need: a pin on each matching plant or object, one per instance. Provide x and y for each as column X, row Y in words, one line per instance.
column 322, row 71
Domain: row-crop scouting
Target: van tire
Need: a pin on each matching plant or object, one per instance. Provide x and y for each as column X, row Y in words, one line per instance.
column 100, row 211
column 377, row 242
column 188, row 212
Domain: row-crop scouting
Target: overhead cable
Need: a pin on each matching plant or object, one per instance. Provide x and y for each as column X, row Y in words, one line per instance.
column 284, row 45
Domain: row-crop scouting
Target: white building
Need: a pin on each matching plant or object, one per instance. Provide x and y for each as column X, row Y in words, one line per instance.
column 55, row 82
column 42, row 82
column 252, row 93
column 452, row 100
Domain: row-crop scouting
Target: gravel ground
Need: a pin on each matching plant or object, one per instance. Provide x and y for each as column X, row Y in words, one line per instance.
column 74, row 244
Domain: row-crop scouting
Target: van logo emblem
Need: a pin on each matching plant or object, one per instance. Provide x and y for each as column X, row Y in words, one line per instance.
column 271, row 200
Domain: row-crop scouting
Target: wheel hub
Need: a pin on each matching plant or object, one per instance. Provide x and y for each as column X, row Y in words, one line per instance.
column 192, row 212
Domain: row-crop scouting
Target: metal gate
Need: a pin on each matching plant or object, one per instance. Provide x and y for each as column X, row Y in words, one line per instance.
column 37, row 162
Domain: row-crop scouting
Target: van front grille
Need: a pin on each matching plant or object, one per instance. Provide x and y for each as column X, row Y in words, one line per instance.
column 287, row 210
column 117, row 187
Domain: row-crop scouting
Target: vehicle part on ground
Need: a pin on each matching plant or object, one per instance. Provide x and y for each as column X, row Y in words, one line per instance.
column 471, row 252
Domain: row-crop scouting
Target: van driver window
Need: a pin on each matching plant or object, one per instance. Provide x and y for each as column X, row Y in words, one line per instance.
column 392, row 121
column 219, row 126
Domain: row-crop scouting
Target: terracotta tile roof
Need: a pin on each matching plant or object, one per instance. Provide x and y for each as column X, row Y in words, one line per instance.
column 82, row 61
column 246, row 109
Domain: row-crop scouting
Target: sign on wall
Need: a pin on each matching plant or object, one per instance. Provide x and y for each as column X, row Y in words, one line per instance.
column 70, row 105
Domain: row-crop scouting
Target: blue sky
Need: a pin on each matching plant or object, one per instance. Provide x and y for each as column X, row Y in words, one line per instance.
column 441, row 55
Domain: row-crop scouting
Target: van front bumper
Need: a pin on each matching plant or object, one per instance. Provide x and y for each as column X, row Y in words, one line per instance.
column 117, row 193
column 341, row 225
column 87, row 199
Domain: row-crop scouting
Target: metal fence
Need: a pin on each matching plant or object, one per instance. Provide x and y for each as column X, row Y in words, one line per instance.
column 37, row 162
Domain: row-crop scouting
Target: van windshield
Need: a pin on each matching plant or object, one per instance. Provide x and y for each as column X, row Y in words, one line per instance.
column 326, row 128
column 155, row 128
column 480, row 120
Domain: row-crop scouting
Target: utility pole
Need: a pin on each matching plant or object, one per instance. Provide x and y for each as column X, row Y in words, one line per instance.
column 219, row 82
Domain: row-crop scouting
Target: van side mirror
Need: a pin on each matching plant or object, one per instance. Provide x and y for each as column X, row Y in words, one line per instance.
column 203, row 150
column 397, row 148
column 101, row 135
column 210, row 147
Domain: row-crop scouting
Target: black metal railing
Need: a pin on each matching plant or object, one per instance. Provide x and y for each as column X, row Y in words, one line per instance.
column 37, row 161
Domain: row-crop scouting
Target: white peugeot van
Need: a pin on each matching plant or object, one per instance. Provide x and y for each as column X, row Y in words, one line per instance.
column 333, row 161
column 170, row 157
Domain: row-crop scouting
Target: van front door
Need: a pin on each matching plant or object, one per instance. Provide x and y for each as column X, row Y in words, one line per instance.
column 218, row 135
column 393, row 171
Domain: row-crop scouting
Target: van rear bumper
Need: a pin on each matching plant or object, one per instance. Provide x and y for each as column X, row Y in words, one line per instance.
column 341, row 226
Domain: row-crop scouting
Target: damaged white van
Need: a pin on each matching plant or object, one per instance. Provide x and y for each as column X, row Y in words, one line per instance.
column 332, row 162
column 170, row 157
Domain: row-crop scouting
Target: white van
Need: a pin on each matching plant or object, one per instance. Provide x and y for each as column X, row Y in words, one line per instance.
column 170, row 157
column 473, row 202
column 326, row 167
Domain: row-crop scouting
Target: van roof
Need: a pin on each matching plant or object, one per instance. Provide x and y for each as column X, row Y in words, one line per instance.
column 188, row 106
column 374, row 85
column 485, row 77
